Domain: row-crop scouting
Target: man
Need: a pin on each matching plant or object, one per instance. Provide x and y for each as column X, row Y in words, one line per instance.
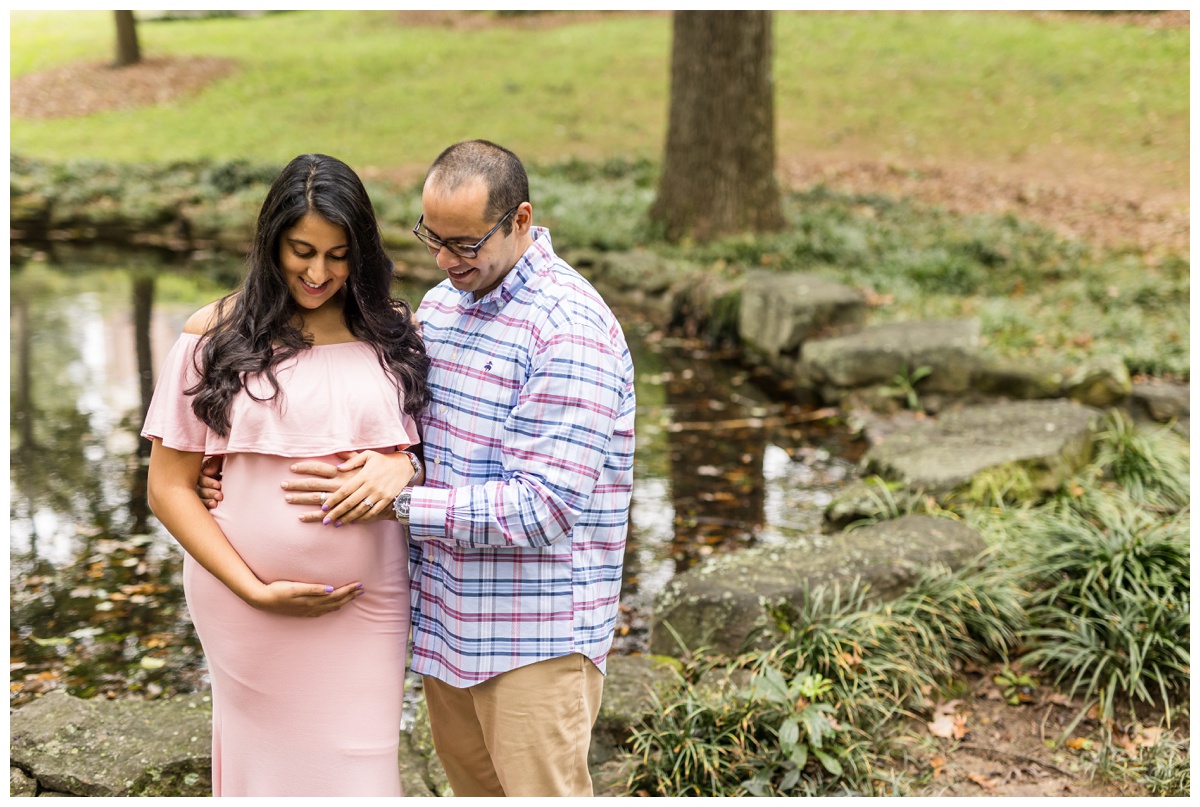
column 517, row 534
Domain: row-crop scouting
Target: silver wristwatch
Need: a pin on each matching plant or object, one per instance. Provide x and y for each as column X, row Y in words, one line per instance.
column 402, row 505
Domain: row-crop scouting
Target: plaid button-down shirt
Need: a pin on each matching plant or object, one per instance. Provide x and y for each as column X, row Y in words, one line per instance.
column 518, row 533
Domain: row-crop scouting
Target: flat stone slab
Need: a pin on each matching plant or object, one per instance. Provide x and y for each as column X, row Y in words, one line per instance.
column 878, row 354
column 719, row 603
column 781, row 310
column 1049, row 440
column 115, row 748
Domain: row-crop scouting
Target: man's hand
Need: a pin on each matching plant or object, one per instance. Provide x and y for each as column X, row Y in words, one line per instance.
column 208, row 486
column 360, row 489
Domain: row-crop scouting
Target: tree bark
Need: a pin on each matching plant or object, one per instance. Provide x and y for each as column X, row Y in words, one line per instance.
column 718, row 175
column 128, row 51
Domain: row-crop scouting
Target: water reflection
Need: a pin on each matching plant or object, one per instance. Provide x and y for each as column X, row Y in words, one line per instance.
column 96, row 601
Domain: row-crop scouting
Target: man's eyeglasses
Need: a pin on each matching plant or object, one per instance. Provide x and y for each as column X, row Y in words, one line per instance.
column 468, row 251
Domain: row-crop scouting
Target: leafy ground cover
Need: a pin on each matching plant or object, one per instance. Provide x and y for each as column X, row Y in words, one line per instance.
column 1059, row 664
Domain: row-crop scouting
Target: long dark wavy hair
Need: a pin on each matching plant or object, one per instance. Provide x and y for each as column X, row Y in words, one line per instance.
column 253, row 333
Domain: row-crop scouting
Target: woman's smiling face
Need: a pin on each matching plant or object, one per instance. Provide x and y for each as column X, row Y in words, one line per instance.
column 314, row 255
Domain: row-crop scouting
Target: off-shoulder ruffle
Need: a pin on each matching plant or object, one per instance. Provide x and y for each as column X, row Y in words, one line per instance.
column 334, row 398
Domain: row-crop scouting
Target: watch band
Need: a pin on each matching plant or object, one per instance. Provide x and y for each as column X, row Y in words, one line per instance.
column 416, row 462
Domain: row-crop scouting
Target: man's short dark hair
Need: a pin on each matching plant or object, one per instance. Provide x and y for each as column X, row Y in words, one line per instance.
column 499, row 168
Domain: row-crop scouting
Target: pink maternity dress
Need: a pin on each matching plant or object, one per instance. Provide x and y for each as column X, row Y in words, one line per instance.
column 301, row 706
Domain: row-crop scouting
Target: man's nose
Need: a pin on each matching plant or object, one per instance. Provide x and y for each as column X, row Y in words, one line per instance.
column 446, row 259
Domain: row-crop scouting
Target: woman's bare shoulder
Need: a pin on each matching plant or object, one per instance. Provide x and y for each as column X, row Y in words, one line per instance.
column 203, row 320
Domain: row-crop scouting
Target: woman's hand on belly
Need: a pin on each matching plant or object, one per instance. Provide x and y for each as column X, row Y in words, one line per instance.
column 304, row 599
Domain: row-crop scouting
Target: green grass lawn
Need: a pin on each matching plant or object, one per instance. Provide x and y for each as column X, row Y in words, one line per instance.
column 377, row 92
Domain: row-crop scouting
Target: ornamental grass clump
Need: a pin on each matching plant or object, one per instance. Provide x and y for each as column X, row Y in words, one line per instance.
column 883, row 657
column 1152, row 464
column 1110, row 612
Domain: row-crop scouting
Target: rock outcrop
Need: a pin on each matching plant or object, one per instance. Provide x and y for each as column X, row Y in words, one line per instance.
column 1045, row 440
column 719, row 604
column 80, row 747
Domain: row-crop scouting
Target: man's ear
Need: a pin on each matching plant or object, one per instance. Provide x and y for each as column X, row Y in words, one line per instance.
column 523, row 218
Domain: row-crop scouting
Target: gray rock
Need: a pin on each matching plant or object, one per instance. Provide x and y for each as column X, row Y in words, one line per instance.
column 1048, row 440
column 115, row 748
column 421, row 772
column 20, row 783
column 1020, row 381
column 780, row 311
column 1101, row 381
column 1162, row 403
column 638, row 269
column 719, row 604
column 626, row 702
column 879, row 354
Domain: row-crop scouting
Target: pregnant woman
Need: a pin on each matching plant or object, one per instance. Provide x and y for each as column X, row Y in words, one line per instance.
column 310, row 356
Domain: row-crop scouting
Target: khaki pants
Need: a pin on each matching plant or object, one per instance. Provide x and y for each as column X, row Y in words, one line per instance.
column 525, row 732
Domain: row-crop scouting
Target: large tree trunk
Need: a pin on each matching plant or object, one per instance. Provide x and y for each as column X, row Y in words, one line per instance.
column 128, row 51
column 718, row 172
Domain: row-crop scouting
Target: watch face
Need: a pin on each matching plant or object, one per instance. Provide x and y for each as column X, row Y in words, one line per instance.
column 403, row 504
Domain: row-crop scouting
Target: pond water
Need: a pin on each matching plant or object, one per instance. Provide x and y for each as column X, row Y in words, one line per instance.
column 96, row 603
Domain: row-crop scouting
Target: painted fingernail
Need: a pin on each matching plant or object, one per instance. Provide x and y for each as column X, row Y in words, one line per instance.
column 324, row 508
column 338, row 524
column 359, row 585
column 326, row 521
column 328, row 589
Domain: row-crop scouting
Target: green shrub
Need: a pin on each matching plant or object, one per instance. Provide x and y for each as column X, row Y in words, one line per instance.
column 1111, row 605
column 778, row 736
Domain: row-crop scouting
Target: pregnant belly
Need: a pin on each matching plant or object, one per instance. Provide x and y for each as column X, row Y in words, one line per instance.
column 268, row 534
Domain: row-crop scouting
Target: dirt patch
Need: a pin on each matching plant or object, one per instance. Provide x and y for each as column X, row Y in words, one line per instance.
column 87, row 88
column 1000, row 749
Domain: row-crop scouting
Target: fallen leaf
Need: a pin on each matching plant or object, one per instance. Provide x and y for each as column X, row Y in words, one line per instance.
column 1058, row 698
column 942, row 726
column 1150, row 736
column 983, row 781
column 1078, row 744
column 950, row 727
